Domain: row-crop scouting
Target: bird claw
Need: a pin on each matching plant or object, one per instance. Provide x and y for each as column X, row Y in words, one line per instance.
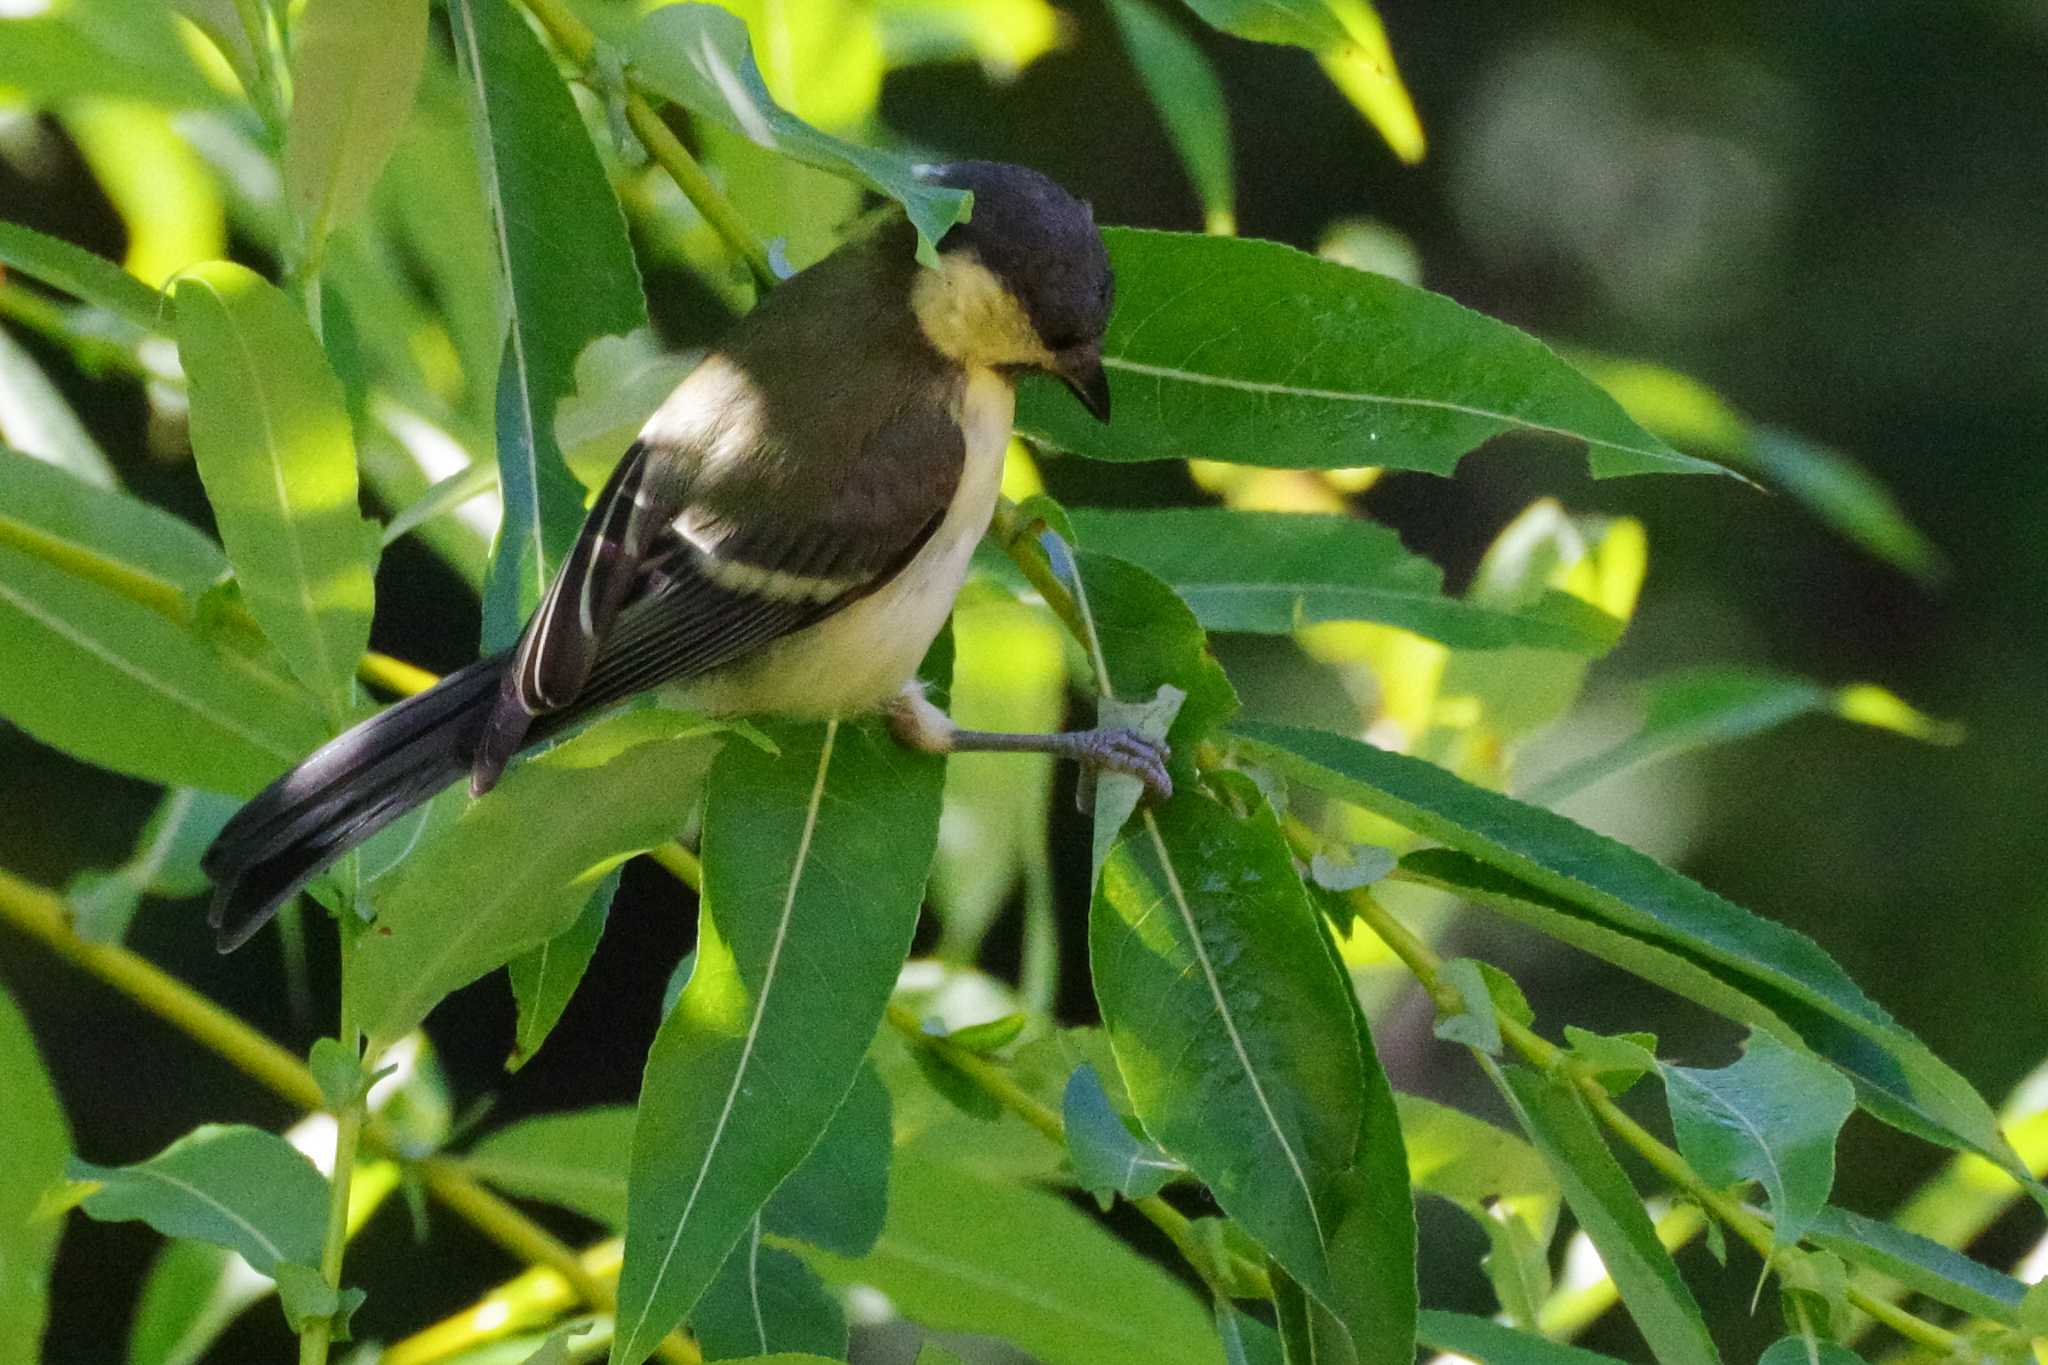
column 1130, row 753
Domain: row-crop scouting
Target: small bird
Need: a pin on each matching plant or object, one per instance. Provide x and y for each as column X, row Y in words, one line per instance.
column 786, row 536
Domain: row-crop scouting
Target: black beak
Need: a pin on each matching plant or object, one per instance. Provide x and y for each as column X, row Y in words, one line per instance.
column 1080, row 369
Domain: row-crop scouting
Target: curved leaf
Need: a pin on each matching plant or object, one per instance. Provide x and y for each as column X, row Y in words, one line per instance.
column 35, row 419
column 814, row 866
column 188, row 1298
column 90, row 278
column 1251, row 352
column 544, row 978
column 72, row 524
column 1921, row 1264
column 764, row 1300
column 271, row 437
column 570, row 278
column 1794, row 988
column 1189, row 98
column 1489, row 1343
column 356, row 67
column 1108, row 1158
column 514, row 871
column 37, row 1141
column 699, row 56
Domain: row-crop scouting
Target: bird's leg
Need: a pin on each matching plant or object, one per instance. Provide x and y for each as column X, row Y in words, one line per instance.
column 918, row 724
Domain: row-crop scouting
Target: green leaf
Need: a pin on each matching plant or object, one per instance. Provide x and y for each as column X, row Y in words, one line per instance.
column 484, row 889
column 231, row 1185
column 307, row 1299
column 1151, row 640
column 35, row 419
column 1270, row 573
column 356, row 67
column 1805, row 1351
column 1772, row 1116
column 1246, row 1340
column 763, row 1300
column 37, row 1141
column 1921, row 1264
column 1189, row 98
column 1230, row 349
column 1108, row 1158
column 1611, row 1213
column 1053, row 1283
column 1694, row 708
column 90, row 278
column 576, row 1160
column 131, row 51
column 271, row 437
column 1489, row 1343
column 1619, row 1061
column 838, row 1197
column 188, row 1298
column 1611, row 897
column 570, row 279
column 814, row 866
column 165, row 863
column 73, row 653
column 1232, row 1026
column 699, row 56
column 544, row 978
column 101, row 534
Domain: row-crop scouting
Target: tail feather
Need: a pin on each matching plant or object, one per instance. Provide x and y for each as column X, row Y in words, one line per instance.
column 345, row 792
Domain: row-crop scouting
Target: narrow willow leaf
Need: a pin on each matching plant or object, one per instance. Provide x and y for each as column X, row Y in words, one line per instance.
column 234, row 1186
column 1233, row 1030
column 1921, row 1264
column 514, row 871
column 1189, row 98
column 1054, row 1283
column 1808, row 1351
column 37, row 1141
column 569, row 275
column 1780, row 980
column 1108, row 1158
column 814, row 866
column 272, row 441
column 765, row 1300
column 100, row 534
column 1270, row 573
column 128, row 51
column 1246, row 1340
column 192, row 1292
column 35, row 419
column 1501, row 1183
column 1342, row 368
column 575, row 1160
column 78, row 272
column 1489, row 1343
column 1772, row 1116
column 356, row 67
column 1695, row 708
column 1611, row 1212
column 73, row 653
column 1151, row 640
column 699, row 56
column 165, row 863
column 544, row 978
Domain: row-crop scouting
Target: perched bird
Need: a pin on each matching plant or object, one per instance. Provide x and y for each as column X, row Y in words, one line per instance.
column 786, row 536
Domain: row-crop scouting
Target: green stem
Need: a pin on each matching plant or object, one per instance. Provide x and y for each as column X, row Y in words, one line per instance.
column 348, row 1130
column 1018, row 539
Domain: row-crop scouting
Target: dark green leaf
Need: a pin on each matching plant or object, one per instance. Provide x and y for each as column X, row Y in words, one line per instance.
column 234, row 1186
column 619, row 788
column 1756, row 971
column 577, row 1160
column 1053, row 1283
column 1611, row 1213
column 1272, row 572
column 78, row 272
column 1771, row 1116
column 165, row 863
column 1489, row 1343
column 544, row 978
column 837, row 1198
column 814, row 866
column 307, row 1299
column 190, row 1295
column 271, row 437
column 571, row 278
column 355, row 68
column 1189, row 98
column 1108, row 1158
column 37, row 1141
column 1246, row 1340
column 73, row 653
column 1804, row 1351
column 1920, row 1264
column 699, row 56
column 763, row 1300
column 1229, row 349
column 1151, row 640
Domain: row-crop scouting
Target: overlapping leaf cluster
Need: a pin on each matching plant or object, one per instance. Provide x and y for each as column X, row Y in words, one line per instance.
column 450, row 328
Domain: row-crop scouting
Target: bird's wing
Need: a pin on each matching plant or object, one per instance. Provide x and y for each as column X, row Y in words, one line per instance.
column 663, row 586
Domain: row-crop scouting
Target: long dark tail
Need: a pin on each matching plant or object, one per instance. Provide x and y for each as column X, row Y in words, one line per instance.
column 350, row 788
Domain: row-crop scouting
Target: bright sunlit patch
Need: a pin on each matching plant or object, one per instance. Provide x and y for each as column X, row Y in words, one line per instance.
column 23, row 9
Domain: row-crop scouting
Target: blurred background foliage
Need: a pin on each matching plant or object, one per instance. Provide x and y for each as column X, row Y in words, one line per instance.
column 1829, row 216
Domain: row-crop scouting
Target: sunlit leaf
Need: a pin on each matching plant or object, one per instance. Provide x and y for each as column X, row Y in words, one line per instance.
column 37, row 1141
column 1004, row 36
column 1611, row 1212
column 96, row 533
column 130, row 51
column 569, row 276
column 819, row 59
column 35, row 419
column 1272, row 572
column 78, row 272
column 699, row 56
column 167, row 197
column 355, row 68
column 480, row 891
column 1053, row 1283
column 1252, row 352
column 231, row 1185
column 1189, row 98
column 1795, row 989
column 274, row 448
column 814, row 866
column 765, row 1300
column 544, row 978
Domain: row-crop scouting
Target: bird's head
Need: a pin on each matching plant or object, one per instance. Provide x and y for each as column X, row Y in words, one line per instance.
column 1023, row 284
